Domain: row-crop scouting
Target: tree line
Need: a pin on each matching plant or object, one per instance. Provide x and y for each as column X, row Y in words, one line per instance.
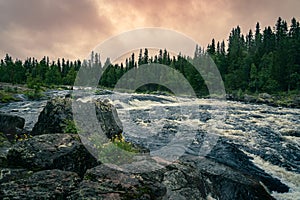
column 265, row 60
column 34, row 72
column 261, row 61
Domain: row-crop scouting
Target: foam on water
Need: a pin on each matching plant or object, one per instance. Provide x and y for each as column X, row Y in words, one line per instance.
column 291, row 179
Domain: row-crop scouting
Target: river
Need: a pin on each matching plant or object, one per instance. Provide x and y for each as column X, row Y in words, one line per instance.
column 268, row 135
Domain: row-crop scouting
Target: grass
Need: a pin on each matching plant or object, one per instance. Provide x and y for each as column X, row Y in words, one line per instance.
column 115, row 151
column 7, row 94
column 70, row 127
column 6, row 97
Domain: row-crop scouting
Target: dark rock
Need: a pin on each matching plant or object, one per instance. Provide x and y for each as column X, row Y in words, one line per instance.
column 48, row 184
column 54, row 117
column 249, row 98
column 198, row 178
column 230, row 97
column 103, row 182
column 4, row 146
column 103, row 92
column 265, row 98
column 291, row 132
column 51, row 151
column 229, row 155
column 10, row 125
column 296, row 102
column 57, row 115
column 7, row 174
column 256, row 116
column 108, row 118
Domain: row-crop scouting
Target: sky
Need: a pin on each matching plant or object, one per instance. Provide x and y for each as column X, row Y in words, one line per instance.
column 72, row 28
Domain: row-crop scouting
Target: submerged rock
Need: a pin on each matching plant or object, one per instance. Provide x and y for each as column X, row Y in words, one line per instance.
column 48, row 184
column 51, row 151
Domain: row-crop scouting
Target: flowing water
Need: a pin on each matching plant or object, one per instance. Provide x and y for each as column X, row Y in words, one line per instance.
column 172, row 126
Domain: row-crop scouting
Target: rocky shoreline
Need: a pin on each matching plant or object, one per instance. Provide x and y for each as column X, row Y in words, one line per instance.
column 265, row 98
column 53, row 163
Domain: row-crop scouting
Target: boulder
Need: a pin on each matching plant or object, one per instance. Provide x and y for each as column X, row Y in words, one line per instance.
column 108, row 118
column 249, row 98
column 48, row 184
column 10, row 125
column 103, row 182
column 265, row 98
column 51, row 151
column 54, row 117
column 57, row 116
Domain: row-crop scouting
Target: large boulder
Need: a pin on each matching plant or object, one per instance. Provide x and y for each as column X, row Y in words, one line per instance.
column 108, row 118
column 48, row 184
column 10, row 125
column 57, row 117
column 54, row 117
column 51, row 151
column 103, row 182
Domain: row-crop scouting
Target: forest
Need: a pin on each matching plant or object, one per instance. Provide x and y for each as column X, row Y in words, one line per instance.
column 263, row 60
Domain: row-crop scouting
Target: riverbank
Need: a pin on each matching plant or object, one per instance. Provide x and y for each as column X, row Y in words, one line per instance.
column 17, row 92
column 288, row 100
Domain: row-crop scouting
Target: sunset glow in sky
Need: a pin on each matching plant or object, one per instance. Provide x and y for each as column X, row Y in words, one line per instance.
column 72, row 28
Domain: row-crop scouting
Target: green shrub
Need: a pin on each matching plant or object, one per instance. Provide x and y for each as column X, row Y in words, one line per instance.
column 70, row 127
column 34, row 94
column 6, row 97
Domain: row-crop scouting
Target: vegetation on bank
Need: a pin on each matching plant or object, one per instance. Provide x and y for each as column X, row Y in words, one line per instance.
column 262, row 61
column 11, row 93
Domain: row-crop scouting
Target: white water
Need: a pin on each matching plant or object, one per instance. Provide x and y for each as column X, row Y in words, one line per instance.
column 292, row 180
